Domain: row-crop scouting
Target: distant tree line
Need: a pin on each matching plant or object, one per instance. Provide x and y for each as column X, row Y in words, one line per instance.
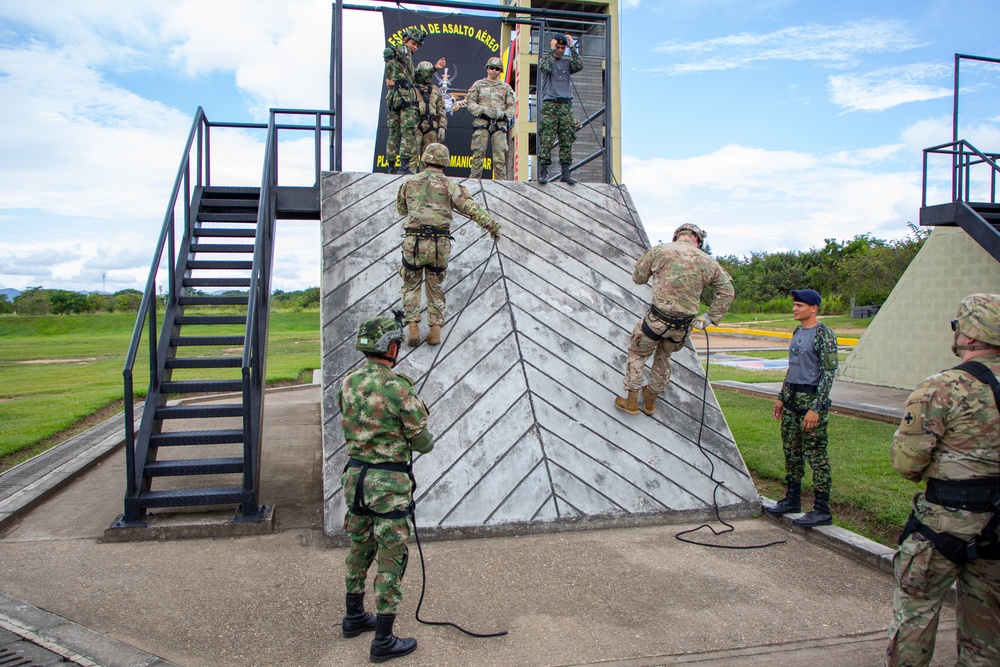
column 41, row 301
column 861, row 271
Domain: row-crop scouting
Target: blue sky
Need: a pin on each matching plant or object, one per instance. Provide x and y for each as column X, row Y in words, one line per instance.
column 773, row 124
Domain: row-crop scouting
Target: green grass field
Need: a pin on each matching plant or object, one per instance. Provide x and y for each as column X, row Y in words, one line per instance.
column 57, row 370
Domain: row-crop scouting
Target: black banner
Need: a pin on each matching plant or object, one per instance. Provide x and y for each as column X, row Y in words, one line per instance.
column 466, row 43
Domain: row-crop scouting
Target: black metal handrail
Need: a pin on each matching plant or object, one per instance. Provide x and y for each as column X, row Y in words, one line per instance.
column 964, row 156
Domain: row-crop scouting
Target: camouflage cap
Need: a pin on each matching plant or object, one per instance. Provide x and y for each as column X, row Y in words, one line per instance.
column 416, row 34
column 978, row 318
column 424, row 71
column 436, row 154
column 375, row 335
column 698, row 232
column 494, row 62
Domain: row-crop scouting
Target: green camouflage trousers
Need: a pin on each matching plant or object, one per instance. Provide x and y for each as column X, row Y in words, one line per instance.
column 430, row 256
column 402, row 139
column 556, row 120
column 801, row 446
column 481, row 137
column 374, row 538
column 641, row 347
column 924, row 577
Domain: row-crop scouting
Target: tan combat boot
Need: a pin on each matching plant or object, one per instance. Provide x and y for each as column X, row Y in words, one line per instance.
column 630, row 404
column 434, row 335
column 413, row 339
column 649, row 400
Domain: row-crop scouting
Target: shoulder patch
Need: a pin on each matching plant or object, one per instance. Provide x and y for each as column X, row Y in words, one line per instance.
column 912, row 422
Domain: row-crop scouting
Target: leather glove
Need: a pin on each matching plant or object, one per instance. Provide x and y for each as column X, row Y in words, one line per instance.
column 701, row 322
column 422, row 442
column 494, row 231
column 441, row 135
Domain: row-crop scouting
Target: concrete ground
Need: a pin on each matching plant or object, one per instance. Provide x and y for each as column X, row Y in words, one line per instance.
column 634, row 596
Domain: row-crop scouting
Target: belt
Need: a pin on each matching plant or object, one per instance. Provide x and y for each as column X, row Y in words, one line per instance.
column 802, row 388
column 428, row 232
column 560, row 100
column 973, row 495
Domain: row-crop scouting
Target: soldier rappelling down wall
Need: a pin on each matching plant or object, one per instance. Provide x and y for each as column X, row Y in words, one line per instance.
column 427, row 200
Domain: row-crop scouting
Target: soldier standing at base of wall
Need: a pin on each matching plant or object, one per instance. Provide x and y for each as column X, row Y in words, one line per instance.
column 432, row 122
column 491, row 102
column 680, row 273
column 402, row 107
column 427, row 200
column 384, row 422
column 803, row 408
column 555, row 118
column 950, row 438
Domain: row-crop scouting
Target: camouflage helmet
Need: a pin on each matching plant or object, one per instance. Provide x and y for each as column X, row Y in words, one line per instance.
column 436, row 154
column 978, row 317
column 494, row 62
column 375, row 335
column 697, row 231
column 424, row 72
column 416, row 34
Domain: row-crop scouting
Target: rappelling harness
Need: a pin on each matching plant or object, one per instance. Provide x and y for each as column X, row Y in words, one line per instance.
column 673, row 323
column 978, row 495
column 360, row 507
column 426, row 232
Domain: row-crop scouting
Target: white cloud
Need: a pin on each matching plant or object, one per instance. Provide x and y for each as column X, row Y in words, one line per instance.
column 830, row 46
column 890, row 87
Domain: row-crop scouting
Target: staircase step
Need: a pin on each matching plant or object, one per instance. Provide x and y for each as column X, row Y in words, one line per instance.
column 199, row 386
column 205, row 362
column 212, row 300
column 199, row 411
column 180, row 438
column 230, row 191
column 216, row 282
column 221, row 232
column 220, row 264
column 230, row 203
column 178, row 341
column 179, row 467
column 188, row 497
column 221, row 247
column 227, row 217
column 210, row 319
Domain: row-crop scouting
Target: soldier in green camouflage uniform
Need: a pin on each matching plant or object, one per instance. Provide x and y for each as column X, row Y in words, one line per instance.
column 491, row 102
column 949, row 438
column 432, row 123
column 384, row 421
column 680, row 273
column 401, row 101
column 427, row 200
column 555, row 118
column 803, row 408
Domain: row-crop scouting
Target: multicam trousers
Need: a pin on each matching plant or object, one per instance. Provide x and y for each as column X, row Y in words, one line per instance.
column 556, row 120
column 481, row 137
column 430, row 257
column 374, row 538
column 923, row 578
column 402, row 139
column 801, row 445
column 641, row 347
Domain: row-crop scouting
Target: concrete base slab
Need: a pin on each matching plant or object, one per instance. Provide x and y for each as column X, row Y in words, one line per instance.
column 188, row 525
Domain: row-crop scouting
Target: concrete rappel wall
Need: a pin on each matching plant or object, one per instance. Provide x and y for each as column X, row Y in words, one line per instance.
column 910, row 337
column 521, row 392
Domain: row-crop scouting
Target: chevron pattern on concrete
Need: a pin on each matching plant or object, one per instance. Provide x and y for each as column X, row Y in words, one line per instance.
column 521, row 391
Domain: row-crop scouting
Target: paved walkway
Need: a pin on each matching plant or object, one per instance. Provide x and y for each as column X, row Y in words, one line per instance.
column 625, row 597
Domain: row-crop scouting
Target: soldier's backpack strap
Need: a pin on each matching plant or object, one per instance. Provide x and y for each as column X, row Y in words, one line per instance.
column 983, row 374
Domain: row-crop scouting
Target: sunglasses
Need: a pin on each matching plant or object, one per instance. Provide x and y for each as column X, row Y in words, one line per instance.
column 954, row 325
column 498, row 69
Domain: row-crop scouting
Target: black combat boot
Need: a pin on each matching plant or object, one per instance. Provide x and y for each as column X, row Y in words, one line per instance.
column 386, row 645
column 566, row 176
column 819, row 515
column 404, row 167
column 543, row 174
column 792, row 502
column 357, row 619
column 393, row 169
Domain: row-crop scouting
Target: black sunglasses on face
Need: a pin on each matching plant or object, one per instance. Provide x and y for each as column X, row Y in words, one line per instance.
column 954, row 325
column 498, row 69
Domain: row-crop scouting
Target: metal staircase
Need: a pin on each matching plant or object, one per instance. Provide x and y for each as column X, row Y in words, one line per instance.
column 973, row 205
column 215, row 253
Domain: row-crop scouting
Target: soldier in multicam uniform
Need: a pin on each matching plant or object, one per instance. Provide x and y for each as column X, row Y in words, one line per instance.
column 556, row 114
column 401, row 100
column 802, row 407
column 384, row 421
column 432, row 123
column 491, row 102
column 427, row 200
column 680, row 272
column 950, row 438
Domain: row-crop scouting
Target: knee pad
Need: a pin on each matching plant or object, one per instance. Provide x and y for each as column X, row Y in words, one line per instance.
column 392, row 560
